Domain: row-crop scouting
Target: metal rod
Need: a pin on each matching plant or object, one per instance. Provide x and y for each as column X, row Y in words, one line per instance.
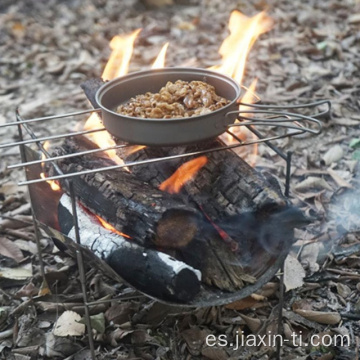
column 28, row 121
column 80, row 263
column 142, row 162
column 36, row 227
column 53, row 137
column 41, row 148
column 299, row 106
column 268, row 143
column 24, row 164
column 288, row 173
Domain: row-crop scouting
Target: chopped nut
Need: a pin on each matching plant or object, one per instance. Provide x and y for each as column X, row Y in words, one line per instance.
column 175, row 100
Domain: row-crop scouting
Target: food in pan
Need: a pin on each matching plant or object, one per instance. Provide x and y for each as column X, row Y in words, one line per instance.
column 175, row 100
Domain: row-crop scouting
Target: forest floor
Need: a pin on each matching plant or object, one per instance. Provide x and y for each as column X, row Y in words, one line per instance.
column 49, row 48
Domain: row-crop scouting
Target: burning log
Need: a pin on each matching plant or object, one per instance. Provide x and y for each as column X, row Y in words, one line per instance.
column 128, row 204
column 150, row 271
column 226, row 185
column 151, row 216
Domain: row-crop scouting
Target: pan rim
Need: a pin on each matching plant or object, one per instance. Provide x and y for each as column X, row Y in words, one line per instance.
column 108, row 86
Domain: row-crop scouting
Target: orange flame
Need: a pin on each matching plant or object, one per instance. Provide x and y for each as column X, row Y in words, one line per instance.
column 117, row 65
column 53, row 184
column 242, row 132
column 160, row 60
column 243, row 33
column 111, row 228
column 182, row 175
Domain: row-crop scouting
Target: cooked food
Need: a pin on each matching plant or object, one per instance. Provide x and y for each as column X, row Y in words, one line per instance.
column 175, row 100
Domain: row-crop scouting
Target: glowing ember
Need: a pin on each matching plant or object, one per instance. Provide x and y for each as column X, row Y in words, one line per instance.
column 182, row 175
column 160, row 60
column 134, row 149
column 111, row 228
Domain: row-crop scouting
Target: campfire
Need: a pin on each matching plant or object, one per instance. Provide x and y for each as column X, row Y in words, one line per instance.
column 183, row 221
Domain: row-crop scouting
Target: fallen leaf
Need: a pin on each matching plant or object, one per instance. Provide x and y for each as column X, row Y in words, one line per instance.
column 59, row 346
column 345, row 122
column 214, row 353
column 246, row 303
column 68, row 325
column 321, row 317
column 356, row 155
column 22, row 272
column 117, row 335
column 28, row 290
column 355, row 143
column 293, row 273
column 354, row 19
column 343, row 290
column 10, row 249
column 26, row 245
column 313, row 182
column 338, row 179
column 334, row 154
column 309, row 256
column 195, row 339
column 254, row 324
column 97, row 322
column 120, row 313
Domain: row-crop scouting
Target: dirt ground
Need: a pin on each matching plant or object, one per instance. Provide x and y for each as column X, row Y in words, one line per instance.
column 48, row 48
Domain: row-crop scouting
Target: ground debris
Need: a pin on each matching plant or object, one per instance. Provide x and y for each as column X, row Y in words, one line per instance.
column 311, row 53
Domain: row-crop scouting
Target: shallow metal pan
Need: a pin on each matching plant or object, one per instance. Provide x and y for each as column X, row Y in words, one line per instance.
column 162, row 132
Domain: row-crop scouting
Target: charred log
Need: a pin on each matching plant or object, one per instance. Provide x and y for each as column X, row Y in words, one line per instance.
column 224, row 187
column 150, row 271
column 90, row 87
column 151, row 216
column 128, row 204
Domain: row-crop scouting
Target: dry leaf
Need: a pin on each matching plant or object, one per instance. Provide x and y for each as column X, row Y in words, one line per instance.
column 28, row 290
column 354, row 19
column 195, row 339
column 68, row 325
column 253, row 323
column 309, row 256
column 339, row 180
column 246, row 303
column 22, row 272
column 321, row 317
column 97, row 322
column 214, row 353
column 334, row 154
column 343, row 290
column 293, row 273
column 10, row 249
column 345, row 122
column 313, row 182
column 116, row 335
column 120, row 313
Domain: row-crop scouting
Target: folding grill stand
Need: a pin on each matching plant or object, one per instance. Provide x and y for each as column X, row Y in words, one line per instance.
column 276, row 117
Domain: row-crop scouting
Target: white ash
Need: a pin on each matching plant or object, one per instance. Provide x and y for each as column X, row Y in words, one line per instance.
column 102, row 241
